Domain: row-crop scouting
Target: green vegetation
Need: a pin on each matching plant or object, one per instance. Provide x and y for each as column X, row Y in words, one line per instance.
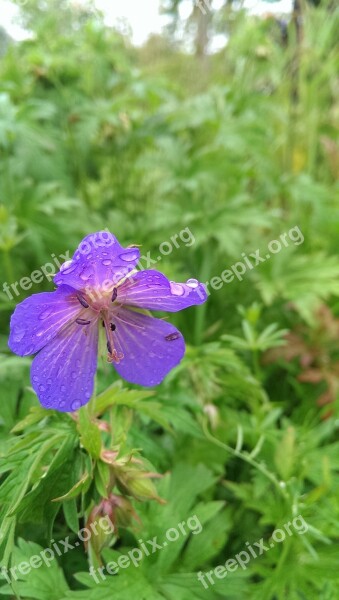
column 238, row 148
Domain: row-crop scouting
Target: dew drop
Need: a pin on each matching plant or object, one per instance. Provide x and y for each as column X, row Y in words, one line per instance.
column 106, row 262
column 73, row 375
column 192, row 283
column 67, row 267
column 129, row 256
column 18, row 333
column 35, row 378
column 86, row 273
column 76, row 405
column 63, row 388
column 62, row 403
column 177, row 289
column 45, row 314
column 42, row 388
column 40, row 333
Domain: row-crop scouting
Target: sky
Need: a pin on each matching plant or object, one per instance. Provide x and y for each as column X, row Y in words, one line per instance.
column 142, row 15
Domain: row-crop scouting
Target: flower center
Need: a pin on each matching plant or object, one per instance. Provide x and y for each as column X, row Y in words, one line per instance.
column 101, row 305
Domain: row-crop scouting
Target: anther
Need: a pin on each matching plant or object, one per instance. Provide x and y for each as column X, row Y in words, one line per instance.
column 113, row 327
column 82, row 321
column 82, row 301
column 109, row 347
column 172, row 336
column 114, row 295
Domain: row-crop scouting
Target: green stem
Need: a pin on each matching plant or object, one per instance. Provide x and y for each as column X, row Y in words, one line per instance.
column 246, row 458
column 8, row 266
column 201, row 313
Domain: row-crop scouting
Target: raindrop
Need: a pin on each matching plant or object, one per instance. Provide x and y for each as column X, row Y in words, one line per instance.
column 73, row 375
column 192, row 283
column 18, row 333
column 63, row 388
column 42, row 388
column 76, row 405
column 129, row 256
column 40, row 333
column 177, row 289
column 106, row 262
column 86, row 273
column 44, row 315
column 67, row 267
column 35, row 378
column 62, row 403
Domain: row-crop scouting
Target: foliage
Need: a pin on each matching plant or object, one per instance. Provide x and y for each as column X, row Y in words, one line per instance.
column 238, row 148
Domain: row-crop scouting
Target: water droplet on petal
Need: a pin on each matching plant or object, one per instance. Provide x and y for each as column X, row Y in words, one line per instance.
column 45, row 314
column 62, row 403
column 106, row 262
column 86, row 273
column 41, row 388
column 177, row 289
column 35, row 378
column 76, row 405
column 40, row 333
column 129, row 256
column 67, row 267
column 192, row 283
column 63, row 388
column 73, row 375
column 18, row 333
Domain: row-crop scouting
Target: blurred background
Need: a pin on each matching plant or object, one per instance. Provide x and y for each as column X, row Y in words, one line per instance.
column 150, row 117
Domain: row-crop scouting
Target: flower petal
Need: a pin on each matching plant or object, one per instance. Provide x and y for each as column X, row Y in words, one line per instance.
column 151, row 347
column 62, row 374
column 152, row 290
column 38, row 319
column 98, row 259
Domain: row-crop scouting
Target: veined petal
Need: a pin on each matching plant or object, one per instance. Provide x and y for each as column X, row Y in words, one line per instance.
column 99, row 259
column 152, row 290
column 38, row 319
column 151, row 347
column 63, row 372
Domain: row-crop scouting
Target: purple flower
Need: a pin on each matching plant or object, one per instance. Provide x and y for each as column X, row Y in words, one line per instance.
column 100, row 288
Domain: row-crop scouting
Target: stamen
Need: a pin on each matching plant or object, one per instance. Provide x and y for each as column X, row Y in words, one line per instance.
column 82, row 322
column 82, row 301
column 114, row 295
column 113, row 327
column 172, row 336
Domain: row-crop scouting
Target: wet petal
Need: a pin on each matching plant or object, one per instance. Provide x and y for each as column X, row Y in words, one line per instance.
column 38, row 319
column 152, row 290
column 63, row 372
column 98, row 259
column 151, row 347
